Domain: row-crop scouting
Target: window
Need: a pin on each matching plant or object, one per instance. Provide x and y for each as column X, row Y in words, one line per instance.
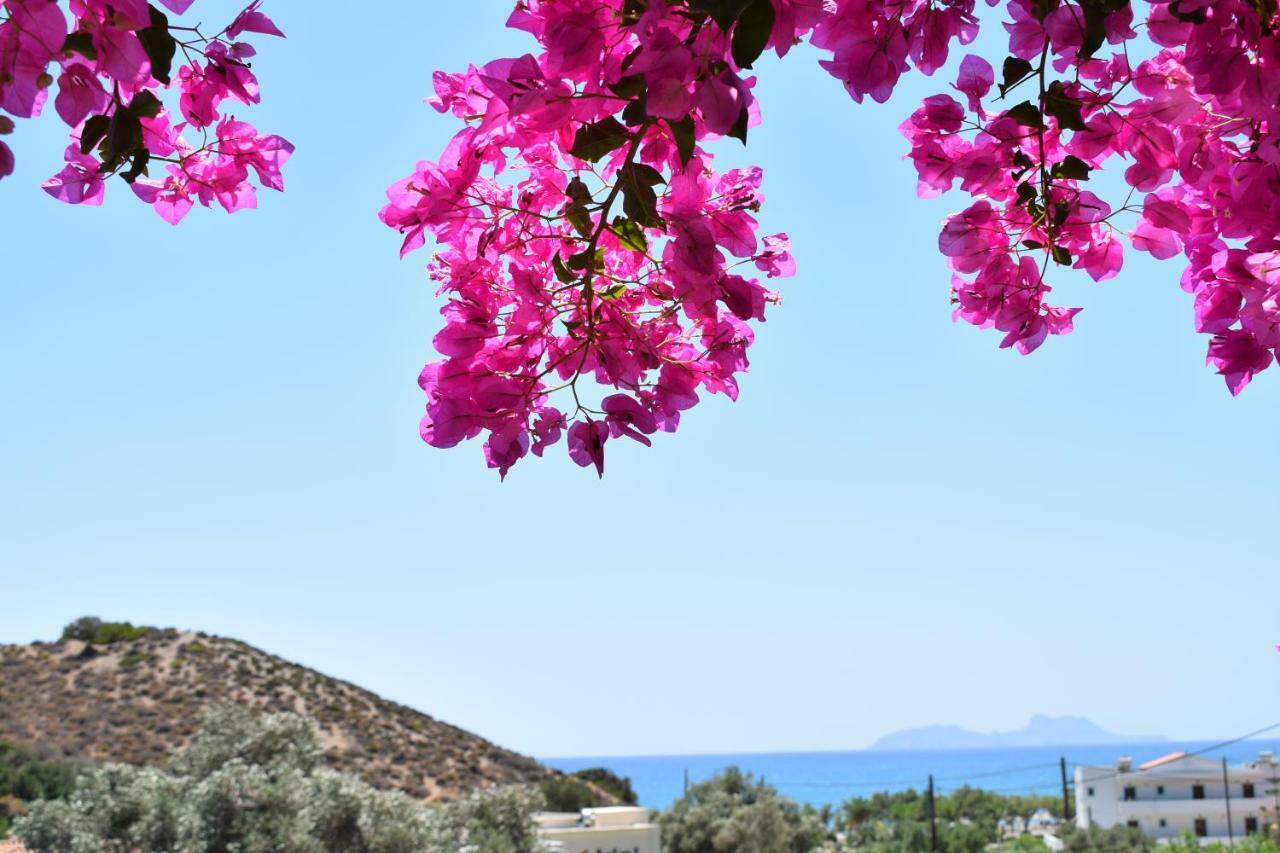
column 1133, row 824
column 1160, row 790
column 1248, row 790
column 1090, row 791
column 1197, row 792
column 1163, row 823
column 1130, row 792
column 1251, row 826
column 1202, row 828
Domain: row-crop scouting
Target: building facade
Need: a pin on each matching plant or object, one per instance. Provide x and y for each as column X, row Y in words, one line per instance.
column 616, row 829
column 1179, row 794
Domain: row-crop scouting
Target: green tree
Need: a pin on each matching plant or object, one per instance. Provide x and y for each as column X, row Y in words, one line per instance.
column 736, row 813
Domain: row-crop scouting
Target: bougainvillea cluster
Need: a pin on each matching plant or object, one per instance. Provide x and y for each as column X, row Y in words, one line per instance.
column 109, row 62
column 582, row 232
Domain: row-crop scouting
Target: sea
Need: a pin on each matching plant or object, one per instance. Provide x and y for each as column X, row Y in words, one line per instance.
column 833, row 777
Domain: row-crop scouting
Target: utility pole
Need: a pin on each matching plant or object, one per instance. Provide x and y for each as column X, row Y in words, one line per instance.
column 686, row 780
column 1066, row 797
column 933, row 818
column 1226, row 790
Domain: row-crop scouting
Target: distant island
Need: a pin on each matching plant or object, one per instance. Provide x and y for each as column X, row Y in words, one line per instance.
column 1041, row 731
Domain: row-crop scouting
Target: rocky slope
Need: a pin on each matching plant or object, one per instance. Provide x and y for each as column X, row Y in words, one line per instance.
column 137, row 700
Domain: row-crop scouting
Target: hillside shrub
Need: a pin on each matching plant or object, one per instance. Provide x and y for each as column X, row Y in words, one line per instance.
column 91, row 629
column 736, row 812
column 248, row 783
column 619, row 787
column 567, row 794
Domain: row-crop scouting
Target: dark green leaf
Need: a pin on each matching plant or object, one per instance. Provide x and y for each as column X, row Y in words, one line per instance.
column 1072, row 167
column 739, row 129
column 159, row 45
column 563, row 273
column 80, row 42
column 124, row 138
column 576, row 210
column 1266, row 13
column 145, row 104
column 635, row 113
column 629, row 86
column 1195, row 17
column 1015, row 71
column 1061, row 211
column 645, row 174
column 94, row 129
column 1063, row 107
column 750, row 36
column 723, row 12
column 1026, row 114
column 585, row 259
column 1033, row 244
column 594, row 141
column 1026, row 192
column 1095, row 27
column 630, row 234
column 612, row 292
column 1061, row 256
column 683, row 131
column 139, row 166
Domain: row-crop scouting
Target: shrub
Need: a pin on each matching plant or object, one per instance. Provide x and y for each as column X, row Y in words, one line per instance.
column 566, row 794
column 616, row 786
column 254, row 784
column 734, row 811
column 91, row 629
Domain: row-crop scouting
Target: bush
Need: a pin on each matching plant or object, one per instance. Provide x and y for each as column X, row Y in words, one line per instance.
column 566, row 794
column 735, row 812
column 91, row 629
column 618, row 787
column 254, row 784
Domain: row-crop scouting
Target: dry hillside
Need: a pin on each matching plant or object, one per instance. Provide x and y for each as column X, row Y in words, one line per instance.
column 137, row 700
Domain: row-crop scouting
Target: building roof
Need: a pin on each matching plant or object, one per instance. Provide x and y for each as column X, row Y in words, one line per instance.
column 1164, row 759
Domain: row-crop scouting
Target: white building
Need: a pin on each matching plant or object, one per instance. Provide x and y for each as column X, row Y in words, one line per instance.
column 1180, row 793
column 614, row 829
column 1042, row 822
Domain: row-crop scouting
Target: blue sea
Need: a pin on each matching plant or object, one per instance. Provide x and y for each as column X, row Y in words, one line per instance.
column 832, row 777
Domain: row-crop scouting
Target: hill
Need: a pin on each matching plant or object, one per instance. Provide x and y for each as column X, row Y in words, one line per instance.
column 136, row 698
column 1041, row 731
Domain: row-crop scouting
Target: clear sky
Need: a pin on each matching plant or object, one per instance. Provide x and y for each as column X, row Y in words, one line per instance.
column 215, row 427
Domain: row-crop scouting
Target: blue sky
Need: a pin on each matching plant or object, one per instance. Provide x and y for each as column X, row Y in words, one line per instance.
column 214, row 427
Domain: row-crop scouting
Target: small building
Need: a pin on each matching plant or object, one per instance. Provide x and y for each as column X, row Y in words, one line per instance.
column 1042, row 823
column 612, row 829
column 1011, row 827
column 1180, row 793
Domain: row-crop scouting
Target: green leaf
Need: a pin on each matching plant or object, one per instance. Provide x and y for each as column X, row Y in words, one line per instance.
column 159, row 45
column 1026, row 193
column 629, row 86
column 750, row 36
column 630, row 235
column 124, row 137
column 739, row 129
column 594, row 141
column 1026, row 114
column 645, row 174
column 80, row 42
column 145, row 104
column 1061, row 256
column 1072, row 167
column 683, row 132
column 576, row 210
column 1266, row 13
column 1033, row 244
column 139, row 166
column 584, row 260
column 1015, row 71
column 94, row 129
column 639, row 201
column 1095, row 27
column 723, row 12
column 563, row 273
column 613, row 292
column 1063, row 107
